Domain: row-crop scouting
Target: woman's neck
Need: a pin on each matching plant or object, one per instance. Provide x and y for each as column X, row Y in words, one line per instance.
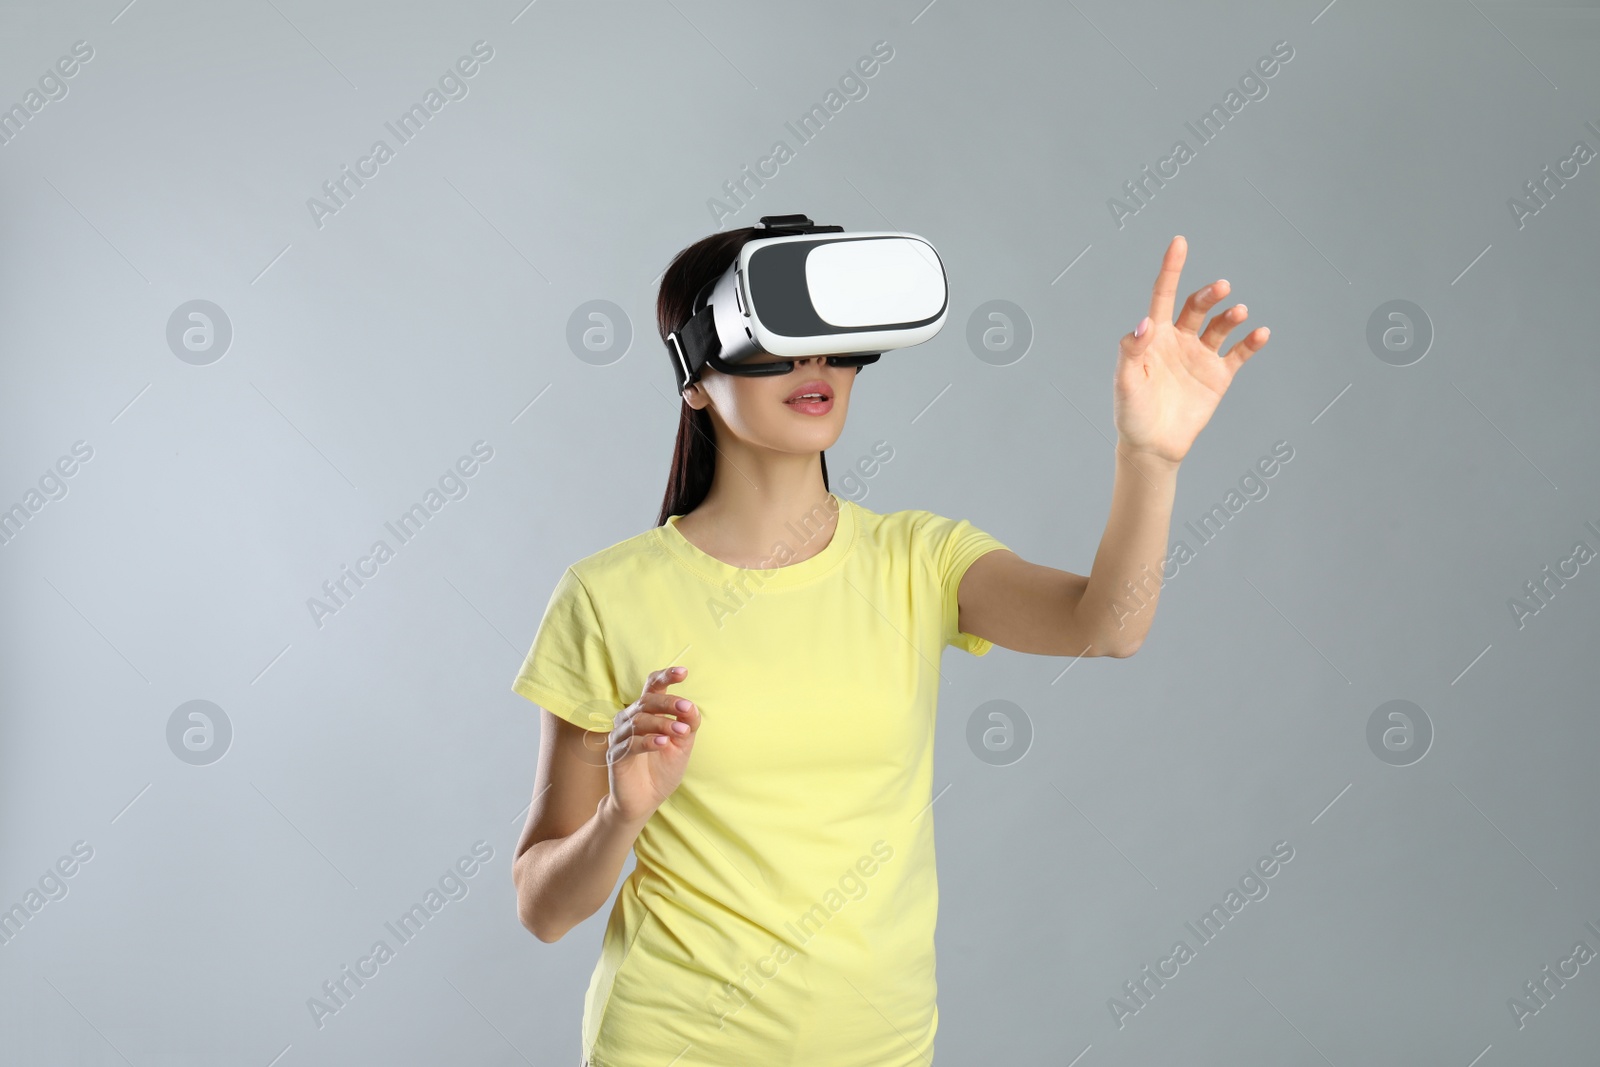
column 747, row 523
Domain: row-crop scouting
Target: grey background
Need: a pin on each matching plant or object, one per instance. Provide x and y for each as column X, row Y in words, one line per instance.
column 432, row 311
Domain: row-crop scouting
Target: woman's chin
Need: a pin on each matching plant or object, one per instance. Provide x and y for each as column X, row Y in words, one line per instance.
column 819, row 436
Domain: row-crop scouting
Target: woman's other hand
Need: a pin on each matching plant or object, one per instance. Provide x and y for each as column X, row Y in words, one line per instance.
column 650, row 745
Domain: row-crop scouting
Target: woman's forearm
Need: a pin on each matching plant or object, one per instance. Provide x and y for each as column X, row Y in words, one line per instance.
column 1125, row 580
column 564, row 880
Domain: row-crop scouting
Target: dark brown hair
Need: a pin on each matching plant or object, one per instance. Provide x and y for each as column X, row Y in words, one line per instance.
column 694, row 454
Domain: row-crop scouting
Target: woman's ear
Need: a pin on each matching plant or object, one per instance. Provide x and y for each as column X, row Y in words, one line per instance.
column 695, row 396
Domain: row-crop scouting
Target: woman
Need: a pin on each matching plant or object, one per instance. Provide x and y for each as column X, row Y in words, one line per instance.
column 744, row 695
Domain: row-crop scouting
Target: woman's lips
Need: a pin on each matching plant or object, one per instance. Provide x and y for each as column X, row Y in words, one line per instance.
column 811, row 407
column 820, row 400
column 815, row 385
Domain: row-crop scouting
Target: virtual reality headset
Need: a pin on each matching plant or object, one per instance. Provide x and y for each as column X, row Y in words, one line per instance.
column 797, row 289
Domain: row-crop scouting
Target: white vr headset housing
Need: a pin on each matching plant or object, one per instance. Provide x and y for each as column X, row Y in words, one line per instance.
column 798, row 289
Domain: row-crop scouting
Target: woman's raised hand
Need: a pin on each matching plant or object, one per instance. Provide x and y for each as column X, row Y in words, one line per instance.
column 1170, row 377
column 649, row 747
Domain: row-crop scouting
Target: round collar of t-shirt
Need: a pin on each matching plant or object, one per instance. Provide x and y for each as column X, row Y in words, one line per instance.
column 799, row 534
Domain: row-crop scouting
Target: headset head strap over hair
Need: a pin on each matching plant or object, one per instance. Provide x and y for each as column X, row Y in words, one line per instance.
column 784, row 225
column 792, row 293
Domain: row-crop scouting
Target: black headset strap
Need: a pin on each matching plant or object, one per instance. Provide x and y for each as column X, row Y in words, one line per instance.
column 696, row 342
column 784, row 225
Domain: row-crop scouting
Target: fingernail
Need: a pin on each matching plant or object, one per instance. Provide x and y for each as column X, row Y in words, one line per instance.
column 680, row 727
column 1138, row 331
column 683, row 705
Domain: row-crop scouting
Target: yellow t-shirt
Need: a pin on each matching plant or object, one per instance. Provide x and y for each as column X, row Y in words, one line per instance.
column 782, row 907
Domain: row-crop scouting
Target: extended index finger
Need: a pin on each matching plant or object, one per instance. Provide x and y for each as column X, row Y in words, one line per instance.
column 657, row 681
column 1165, row 293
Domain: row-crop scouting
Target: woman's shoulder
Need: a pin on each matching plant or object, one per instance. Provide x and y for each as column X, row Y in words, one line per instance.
column 911, row 521
column 911, row 527
column 933, row 535
column 624, row 555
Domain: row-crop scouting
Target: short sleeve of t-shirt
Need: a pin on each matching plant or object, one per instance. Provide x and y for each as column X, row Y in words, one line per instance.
column 568, row 669
column 955, row 544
